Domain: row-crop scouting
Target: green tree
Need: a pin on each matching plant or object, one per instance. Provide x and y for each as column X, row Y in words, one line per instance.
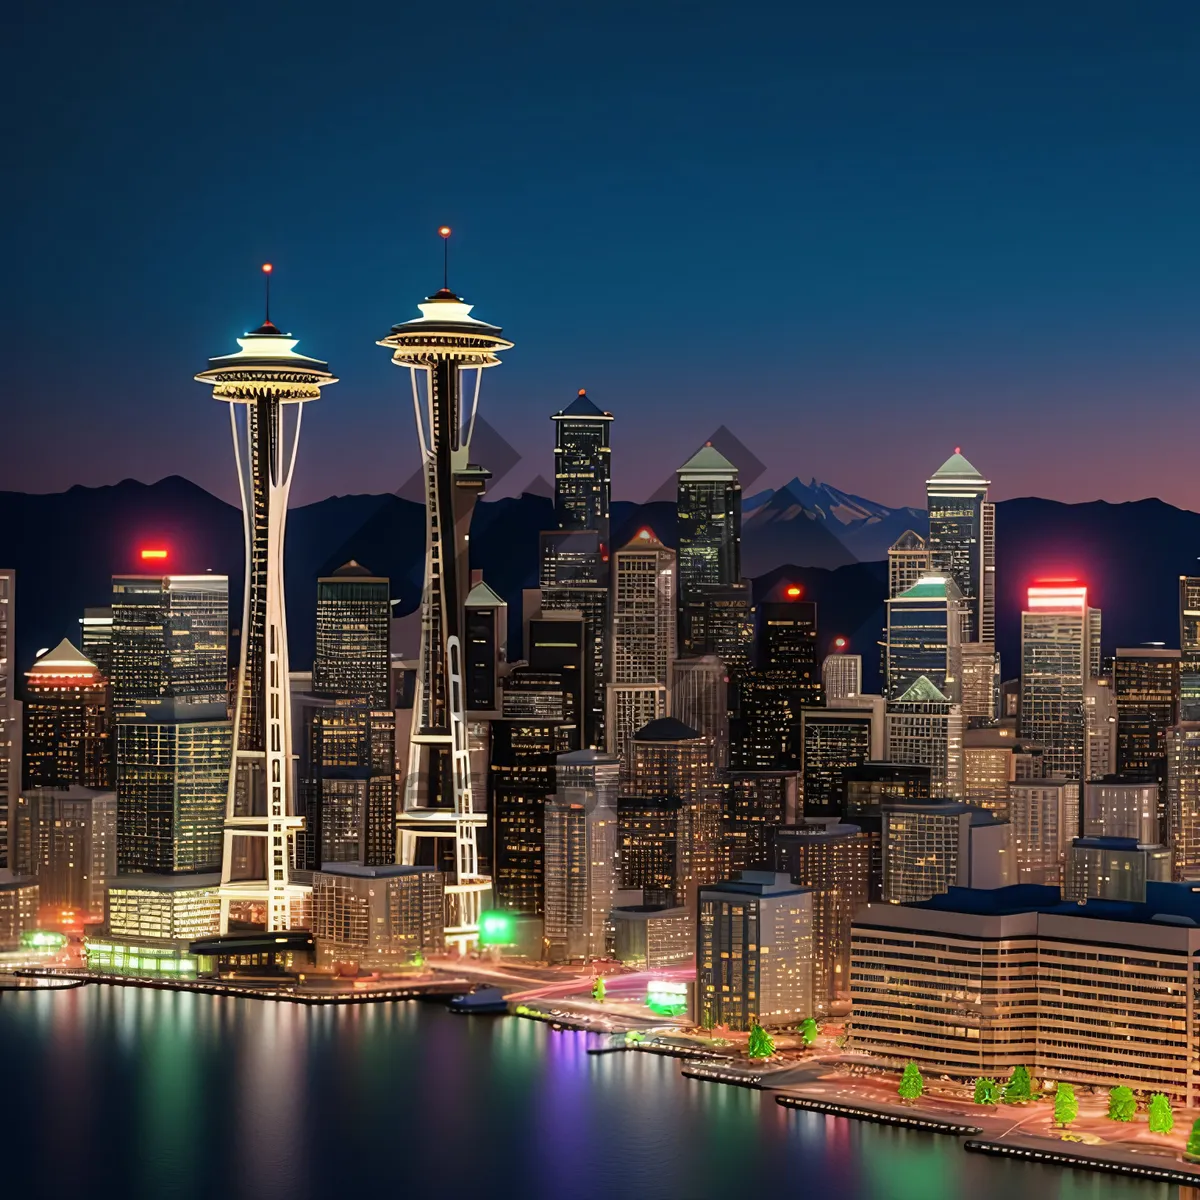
column 1019, row 1086
column 987, row 1091
column 1192, row 1149
column 761, row 1044
column 1066, row 1107
column 1162, row 1118
column 912, row 1083
column 598, row 990
column 809, row 1030
column 1121, row 1104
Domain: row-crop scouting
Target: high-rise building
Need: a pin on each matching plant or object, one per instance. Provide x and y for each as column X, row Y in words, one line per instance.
column 353, row 651
column 10, row 710
column 66, row 837
column 979, row 682
column 833, row 741
column 924, row 727
column 438, row 811
column 962, row 542
column 1044, row 815
column 653, row 935
column 874, row 783
column 1060, row 641
column 908, row 561
column 1183, row 798
column 993, row 760
column 1100, row 729
column 653, row 858
column 754, row 952
column 558, row 642
column 266, row 385
column 709, row 508
column 700, row 698
column 582, row 839
column 923, row 637
column 928, row 848
column 841, row 674
column 1114, row 868
column 833, row 860
column 20, row 899
column 583, row 467
column 643, row 611
column 96, row 637
column 719, row 619
column 66, row 738
column 1121, row 808
column 1189, row 647
column 486, row 625
column 1146, row 687
column 755, row 805
column 630, row 706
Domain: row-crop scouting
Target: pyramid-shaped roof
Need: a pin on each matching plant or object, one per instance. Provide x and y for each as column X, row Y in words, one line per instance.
column 64, row 659
column 482, row 596
column 709, row 458
column 956, row 467
column 909, row 540
column 352, row 570
column 582, row 407
column 928, row 587
column 666, row 729
column 644, row 539
column 923, row 691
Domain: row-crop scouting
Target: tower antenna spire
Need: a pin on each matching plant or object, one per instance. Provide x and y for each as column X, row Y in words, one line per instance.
column 267, row 268
column 444, row 234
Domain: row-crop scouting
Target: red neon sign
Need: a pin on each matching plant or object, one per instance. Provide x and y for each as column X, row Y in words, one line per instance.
column 152, row 553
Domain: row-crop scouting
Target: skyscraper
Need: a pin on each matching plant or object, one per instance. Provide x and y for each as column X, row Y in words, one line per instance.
column 923, row 637
column 1189, row 647
column 96, row 634
column 700, row 698
column 1183, row 798
column 1146, row 686
column 755, row 804
column 1060, row 639
column 925, row 727
column 719, row 619
column 10, row 711
column 487, row 646
column 643, row 611
column 709, row 508
column 841, row 674
column 834, row 740
column 583, row 467
column 266, row 385
column 908, row 561
column 353, row 651
column 929, row 848
column 437, row 347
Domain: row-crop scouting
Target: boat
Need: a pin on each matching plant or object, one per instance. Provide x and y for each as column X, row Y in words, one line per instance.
column 482, row 999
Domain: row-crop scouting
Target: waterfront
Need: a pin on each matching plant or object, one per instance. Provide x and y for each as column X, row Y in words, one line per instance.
column 177, row 1096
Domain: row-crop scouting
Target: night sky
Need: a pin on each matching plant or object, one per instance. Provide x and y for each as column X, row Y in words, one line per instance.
column 858, row 234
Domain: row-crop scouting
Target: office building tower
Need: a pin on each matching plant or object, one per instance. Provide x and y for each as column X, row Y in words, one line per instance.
column 764, row 726
column 962, row 542
column 266, row 385
column 993, row 759
column 1114, row 868
column 643, row 611
column 871, row 785
column 647, row 936
column 581, row 841
column 583, row 467
column 654, row 833
column 719, row 619
column 841, row 675
column 1189, row 648
column 755, row 805
column 66, row 738
column 833, row 741
column 20, row 899
column 1100, row 729
column 1146, row 687
column 787, row 640
column 923, row 627
column 96, row 637
column 700, row 698
column 630, row 706
column 66, row 838
column 486, row 626
column 378, row 917
column 928, row 848
column 1121, row 808
column 1183, row 798
column 833, row 861
column 437, row 811
column 979, row 682
column 1059, row 654
column 908, row 561
column 924, row 727
column 10, row 710
column 709, row 508
column 1044, row 815
column 558, row 643
column 353, row 651
column 754, row 952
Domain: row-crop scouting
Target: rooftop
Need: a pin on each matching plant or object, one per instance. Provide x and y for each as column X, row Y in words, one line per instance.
column 385, row 871
column 923, row 691
column 482, row 596
column 708, row 459
column 163, row 883
column 957, row 469
column 581, row 408
column 666, row 729
column 909, row 540
column 63, row 662
column 757, row 883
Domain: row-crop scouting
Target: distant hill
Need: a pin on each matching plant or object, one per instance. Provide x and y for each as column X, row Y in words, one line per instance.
column 66, row 546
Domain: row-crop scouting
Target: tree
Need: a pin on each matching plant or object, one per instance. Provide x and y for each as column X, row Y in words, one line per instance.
column 1019, row 1086
column 912, row 1083
column 1162, row 1118
column 1121, row 1104
column 1066, row 1107
column 761, row 1044
column 1192, row 1149
column 809, row 1030
column 598, row 990
column 987, row 1091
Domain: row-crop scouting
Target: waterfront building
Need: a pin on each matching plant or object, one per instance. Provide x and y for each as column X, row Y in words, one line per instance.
column 908, row 561
column 835, row 740
column 1114, row 868
column 832, row 860
column 378, row 917
column 583, row 467
column 648, row 936
column 266, row 385
column 1044, row 815
column 923, row 637
column 10, row 711
column 1189, row 647
column 709, row 515
column 841, row 675
column 19, row 903
column 924, row 727
column 754, row 952
column 66, row 838
column 161, row 909
column 1060, row 652
column 1183, row 798
column 643, row 611
column 975, row 983
column 754, row 805
column 581, row 844
column 929, row 847
column 700, row 699
column 1121, row 808
column 962, row 542
column 437, row 813
column 66, row 739
column 719, row 619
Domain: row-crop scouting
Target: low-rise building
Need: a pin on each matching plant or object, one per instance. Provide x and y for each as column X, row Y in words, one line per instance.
column 651, row 935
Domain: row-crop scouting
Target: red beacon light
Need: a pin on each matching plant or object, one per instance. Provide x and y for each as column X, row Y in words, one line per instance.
column 794, row 592
column 839, row 643
column 153, row 554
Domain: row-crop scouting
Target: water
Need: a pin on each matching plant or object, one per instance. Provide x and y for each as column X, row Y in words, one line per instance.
column 143, row 1094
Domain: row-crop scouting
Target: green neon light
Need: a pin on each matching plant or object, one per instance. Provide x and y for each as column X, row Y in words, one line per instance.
column 43, row 939
column 497, row 929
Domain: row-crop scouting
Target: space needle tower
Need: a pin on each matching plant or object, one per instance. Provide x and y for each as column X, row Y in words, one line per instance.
column 266, row 385
column 438, row 822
